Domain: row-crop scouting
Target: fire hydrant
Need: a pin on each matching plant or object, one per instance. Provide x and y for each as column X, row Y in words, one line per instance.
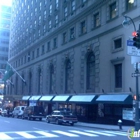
column 120, row 124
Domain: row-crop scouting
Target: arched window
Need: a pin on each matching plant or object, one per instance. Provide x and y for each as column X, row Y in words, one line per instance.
column 91, row 71
column 67, row 76
column 51, row 78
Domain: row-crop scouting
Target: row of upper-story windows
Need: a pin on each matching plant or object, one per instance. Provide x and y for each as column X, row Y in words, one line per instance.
column 52, row 44
column 67, row 35
column 50, row 23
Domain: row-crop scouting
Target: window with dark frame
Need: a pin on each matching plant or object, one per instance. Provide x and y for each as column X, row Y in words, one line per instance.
column 65, row 12
column 118, row 43
column 37, row 52
column 51, row 78
column 29, row 56
column 72, row 5
column 67, row 76
column 39, row 81
column 43, row 49
column 72, row 33
column 30, row 83
column 118, row 75
column 129, row 4
column 83, row 27
column 113, row 10
column 96, row 20
column 55, row 43
column 91, row 71
column 33, row 55
column 48, row 47
column 64, row 37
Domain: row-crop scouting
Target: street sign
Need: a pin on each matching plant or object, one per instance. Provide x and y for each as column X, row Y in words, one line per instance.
column 135, row 74
column 132, row 50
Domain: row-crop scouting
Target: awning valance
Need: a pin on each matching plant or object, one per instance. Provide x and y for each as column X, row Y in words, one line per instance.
column 82, row 98
column 34, row 98
column 120, row 99
column 25, row 98
column 60, row 98
column 46, row 98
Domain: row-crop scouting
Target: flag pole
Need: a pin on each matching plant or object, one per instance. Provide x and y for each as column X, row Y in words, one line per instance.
column 17, row 72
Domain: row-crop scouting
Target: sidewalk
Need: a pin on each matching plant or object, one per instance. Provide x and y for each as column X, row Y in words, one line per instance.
column 104, row 126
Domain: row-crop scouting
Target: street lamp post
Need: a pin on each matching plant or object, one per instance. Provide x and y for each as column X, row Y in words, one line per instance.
column 137, row 121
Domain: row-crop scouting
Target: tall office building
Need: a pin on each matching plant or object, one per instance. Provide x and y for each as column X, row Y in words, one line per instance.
column 5, row 15
column 74, row 53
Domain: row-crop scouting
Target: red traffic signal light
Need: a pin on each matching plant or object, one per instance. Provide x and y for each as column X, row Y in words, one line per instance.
column 134, row 34
column 136, row 39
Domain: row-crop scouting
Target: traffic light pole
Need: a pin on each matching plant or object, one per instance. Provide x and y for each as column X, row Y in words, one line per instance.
column 137, row 121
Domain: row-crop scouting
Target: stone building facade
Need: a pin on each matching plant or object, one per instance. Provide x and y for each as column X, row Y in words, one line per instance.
column 71, row 47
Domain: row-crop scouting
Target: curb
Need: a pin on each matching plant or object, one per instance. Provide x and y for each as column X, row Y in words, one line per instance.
column 102, row 128
column 80, row 125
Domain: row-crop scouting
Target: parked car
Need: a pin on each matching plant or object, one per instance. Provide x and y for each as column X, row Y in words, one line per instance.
column 4, row 113
column 61, row 117
column 33, row 112
column 18, row 111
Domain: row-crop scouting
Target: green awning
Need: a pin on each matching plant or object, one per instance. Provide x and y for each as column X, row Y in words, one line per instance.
column 25, row 98
column 46, row 98
column 82, row 98
column 61, row 98
column 115, row 99
column 34, row 98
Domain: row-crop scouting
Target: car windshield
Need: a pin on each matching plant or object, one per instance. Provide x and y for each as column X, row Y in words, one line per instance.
column 67, row 113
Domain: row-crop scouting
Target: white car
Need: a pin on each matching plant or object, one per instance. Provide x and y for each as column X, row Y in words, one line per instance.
column 18, row 111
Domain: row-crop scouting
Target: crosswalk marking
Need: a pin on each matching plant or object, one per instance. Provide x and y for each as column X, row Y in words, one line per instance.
column 105, row 134
column 46, row 134
column 66, row 133
column 83, row 133
column 25, row 134
column 58, row 133
column 5, row 136
column 118, row 133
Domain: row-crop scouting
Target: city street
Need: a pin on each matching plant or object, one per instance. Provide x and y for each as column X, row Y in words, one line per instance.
column 18, row 129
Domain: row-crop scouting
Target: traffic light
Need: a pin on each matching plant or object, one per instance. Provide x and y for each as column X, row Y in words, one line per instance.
column 136, row 39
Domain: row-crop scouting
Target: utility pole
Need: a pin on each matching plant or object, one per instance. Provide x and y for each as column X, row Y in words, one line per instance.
column 137, row 117
column 136, row 43
column 137, row 121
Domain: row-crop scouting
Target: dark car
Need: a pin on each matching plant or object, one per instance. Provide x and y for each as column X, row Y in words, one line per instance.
column 61, row 117
column 33, row 112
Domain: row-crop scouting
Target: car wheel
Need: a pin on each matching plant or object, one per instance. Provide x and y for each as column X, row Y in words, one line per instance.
column 57, row 122
column 29, row 118
column 47, row 120
column 40, row 119
column 72, row 124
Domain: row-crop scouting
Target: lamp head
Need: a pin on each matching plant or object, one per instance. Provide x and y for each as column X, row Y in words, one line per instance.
column 126, row 22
